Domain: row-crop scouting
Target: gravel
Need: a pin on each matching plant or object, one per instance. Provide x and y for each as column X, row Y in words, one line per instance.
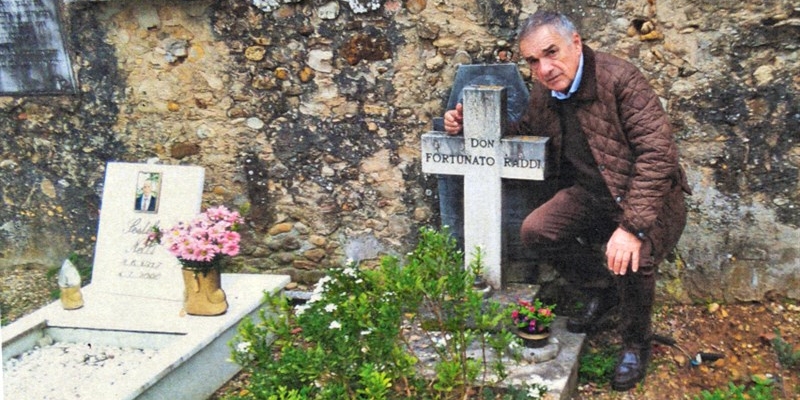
column 61, row 370
column 53, row 370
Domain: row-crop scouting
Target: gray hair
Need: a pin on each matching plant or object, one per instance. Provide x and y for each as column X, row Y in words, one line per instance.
column 541, row 18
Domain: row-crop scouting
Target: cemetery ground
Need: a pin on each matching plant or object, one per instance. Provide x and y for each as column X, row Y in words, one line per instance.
column 744, row 333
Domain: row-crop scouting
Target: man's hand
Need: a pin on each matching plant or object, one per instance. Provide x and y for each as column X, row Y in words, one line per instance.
column 623, row 250
column 454, row 120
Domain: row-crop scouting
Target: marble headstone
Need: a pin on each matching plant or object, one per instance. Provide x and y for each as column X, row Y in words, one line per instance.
column 123, row 264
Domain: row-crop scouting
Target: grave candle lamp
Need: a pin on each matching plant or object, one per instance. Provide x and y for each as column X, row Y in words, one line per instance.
column 69, row 281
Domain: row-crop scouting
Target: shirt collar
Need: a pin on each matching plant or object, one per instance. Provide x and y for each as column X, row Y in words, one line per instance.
column 576, row 83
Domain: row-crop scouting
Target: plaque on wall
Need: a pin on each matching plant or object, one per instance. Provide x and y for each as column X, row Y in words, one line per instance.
column 33, row 55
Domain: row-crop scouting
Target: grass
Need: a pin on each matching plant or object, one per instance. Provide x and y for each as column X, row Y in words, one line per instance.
column 787, row 356
column 760, row 390
column 597, row 365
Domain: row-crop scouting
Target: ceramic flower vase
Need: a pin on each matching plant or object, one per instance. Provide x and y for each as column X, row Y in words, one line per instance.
column 203, row 294
column 534, row 340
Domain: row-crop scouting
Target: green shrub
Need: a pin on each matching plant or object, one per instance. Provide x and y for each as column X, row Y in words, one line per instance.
column 351, row 339
column 760, row 390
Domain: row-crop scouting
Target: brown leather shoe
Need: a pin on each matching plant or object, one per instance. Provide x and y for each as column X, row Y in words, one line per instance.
column 597, row 309
column 631, row 368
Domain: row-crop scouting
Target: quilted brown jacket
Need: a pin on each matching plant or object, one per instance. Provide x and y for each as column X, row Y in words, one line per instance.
column 630, row 138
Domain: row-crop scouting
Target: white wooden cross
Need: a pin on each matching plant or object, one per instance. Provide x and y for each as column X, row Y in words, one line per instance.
column 484, row 157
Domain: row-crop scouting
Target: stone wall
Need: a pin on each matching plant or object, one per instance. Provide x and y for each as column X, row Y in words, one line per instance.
column 307, row 113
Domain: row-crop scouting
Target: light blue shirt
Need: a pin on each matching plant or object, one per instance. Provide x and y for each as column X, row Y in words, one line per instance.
column 576, row 83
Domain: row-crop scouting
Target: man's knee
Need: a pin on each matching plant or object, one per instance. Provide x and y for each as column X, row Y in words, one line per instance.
column 532, row 233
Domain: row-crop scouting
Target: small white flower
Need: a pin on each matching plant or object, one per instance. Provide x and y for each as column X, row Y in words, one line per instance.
column 349, row 272
column 331, row 308
column 315, row 297
column 243, row 347
column 335, row 325
column 534, row 392
column 366, row 332
column 320, row 287
column 301, row 308
column 536, row 379
column 359, row 280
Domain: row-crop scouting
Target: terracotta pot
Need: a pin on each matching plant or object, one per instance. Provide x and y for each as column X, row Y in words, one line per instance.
column 202, row 292
column 534, row 340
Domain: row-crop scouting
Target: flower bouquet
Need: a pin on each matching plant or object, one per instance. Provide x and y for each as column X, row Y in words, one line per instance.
column 532, row 320
column 200, row 246
column 201, row 243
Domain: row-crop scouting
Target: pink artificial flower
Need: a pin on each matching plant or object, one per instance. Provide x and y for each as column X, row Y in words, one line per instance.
column 231, row 249
column 211, row 233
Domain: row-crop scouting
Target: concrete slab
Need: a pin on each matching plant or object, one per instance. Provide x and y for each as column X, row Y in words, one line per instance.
column 135, row 301
column 193, row 353
column 558, row 371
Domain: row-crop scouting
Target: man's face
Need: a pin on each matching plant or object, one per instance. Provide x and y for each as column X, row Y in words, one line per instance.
column 552, row 58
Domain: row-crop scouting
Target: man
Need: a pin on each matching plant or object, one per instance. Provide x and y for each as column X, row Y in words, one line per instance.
column 617, row 175
column 146, row 201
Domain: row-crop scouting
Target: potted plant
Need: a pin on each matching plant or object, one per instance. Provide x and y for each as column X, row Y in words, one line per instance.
column 532, row 321
column 200, row 246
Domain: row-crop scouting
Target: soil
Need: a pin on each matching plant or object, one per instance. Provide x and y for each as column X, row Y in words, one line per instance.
column 741, row 333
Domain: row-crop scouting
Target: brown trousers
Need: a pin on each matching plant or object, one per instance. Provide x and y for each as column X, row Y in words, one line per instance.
column 569, row 229
column 572, row 228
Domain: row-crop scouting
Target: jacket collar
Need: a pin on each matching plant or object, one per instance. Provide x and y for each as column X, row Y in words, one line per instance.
column 588, row 87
